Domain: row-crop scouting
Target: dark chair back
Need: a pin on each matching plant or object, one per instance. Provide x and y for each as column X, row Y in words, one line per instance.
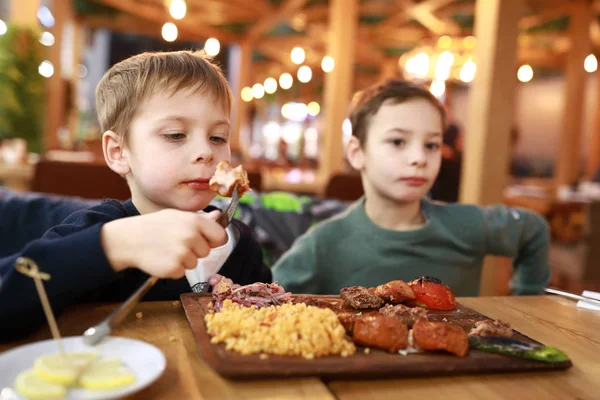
column 86, row 180
column 344, row 186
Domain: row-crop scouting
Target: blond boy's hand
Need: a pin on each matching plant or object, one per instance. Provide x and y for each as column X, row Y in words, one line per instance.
column 163, row 244
column 216, row 278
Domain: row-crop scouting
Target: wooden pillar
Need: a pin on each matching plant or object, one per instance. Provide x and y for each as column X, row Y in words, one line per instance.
column 343, row 21
column 486, row 156
column 491, row 102
column 240, row 78
column 593, row 156
column 569, row 155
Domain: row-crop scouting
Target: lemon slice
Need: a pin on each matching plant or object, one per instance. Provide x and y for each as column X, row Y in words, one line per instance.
column 105, row 374
column 108, row 362
column 29, row 384
column 63, row 368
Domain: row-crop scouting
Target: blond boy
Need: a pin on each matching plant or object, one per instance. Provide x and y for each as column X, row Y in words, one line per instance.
column 165, row 118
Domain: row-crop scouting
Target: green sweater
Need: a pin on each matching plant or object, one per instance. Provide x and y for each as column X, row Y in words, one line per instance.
column 349, row 249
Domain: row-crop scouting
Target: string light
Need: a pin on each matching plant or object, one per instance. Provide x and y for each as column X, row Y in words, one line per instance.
column 212, row 47
column 258, row 91
column 169, row 32
column 313, row 108
column 47, row 39
column 286, row 81
column 3, row 27
column 270, row 85
column 590, row 64
column 304, row 74
column 525, row 73
column 467, row 72
column 327, row 64
column 178, row 9
column 437, row 88
column 247, row 94
column 298, row 55
column 46, row 69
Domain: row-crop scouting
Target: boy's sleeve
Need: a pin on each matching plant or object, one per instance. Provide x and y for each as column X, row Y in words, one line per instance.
column 245, row 263
column 296, row 270
column 523, row 236
column 72, row 254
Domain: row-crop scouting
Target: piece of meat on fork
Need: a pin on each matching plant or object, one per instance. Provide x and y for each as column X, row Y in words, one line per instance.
column 225, row 178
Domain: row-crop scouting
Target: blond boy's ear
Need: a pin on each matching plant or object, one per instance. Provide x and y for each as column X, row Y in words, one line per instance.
column 355, row 154
column 114, row 153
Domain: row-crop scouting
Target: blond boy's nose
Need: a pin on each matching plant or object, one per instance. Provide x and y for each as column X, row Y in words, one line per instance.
column 205, row 156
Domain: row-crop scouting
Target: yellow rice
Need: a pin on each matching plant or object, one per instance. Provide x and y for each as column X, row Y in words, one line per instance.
column 288, row 329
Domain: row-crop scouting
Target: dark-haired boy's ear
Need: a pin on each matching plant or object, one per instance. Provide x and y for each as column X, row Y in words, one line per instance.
column 355, row 153
column 114, row 153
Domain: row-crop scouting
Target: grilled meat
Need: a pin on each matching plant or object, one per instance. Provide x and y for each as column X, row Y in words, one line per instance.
column 381, row 331
column 317, row 302
column 430, row 335
column 490, row 327
column 359, row 297
column 405, row 314
column 395, row 292
column 347, row 319
column 225, row 178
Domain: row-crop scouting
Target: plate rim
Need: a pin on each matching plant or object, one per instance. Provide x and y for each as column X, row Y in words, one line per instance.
column 109, row 395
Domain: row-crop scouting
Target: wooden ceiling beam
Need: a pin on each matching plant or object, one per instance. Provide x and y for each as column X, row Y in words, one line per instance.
column 126, row 23
column 545, row 16
column 260, row 7
column 160, row 16
column 540, row 58
column 219, row 12
column 424, row 13
column 284, row 12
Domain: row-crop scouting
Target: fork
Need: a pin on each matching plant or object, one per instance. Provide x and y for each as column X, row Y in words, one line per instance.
column 226, row 216
column 224, row 220
column 95, row 334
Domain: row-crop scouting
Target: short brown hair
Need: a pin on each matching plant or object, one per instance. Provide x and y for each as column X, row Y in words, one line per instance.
column 368, row 101
column 128, row 83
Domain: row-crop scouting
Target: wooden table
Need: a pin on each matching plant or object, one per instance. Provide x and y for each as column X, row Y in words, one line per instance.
column 551, row 320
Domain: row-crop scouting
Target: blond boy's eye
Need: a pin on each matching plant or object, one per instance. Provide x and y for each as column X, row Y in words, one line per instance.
column 218, row 139
column 433, row 146
column 175, row 136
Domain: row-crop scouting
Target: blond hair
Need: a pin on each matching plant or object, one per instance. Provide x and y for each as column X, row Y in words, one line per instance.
column 130, row 82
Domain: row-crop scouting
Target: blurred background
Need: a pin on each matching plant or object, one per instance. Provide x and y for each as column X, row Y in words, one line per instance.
column 518, row 77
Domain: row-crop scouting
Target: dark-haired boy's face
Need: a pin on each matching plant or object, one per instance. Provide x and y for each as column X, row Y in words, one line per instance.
column 401, row 157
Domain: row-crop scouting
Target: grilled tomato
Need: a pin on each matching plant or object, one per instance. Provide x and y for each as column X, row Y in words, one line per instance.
column 431, row 293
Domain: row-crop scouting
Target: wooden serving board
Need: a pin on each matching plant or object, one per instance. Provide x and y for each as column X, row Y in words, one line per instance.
column 376, row 364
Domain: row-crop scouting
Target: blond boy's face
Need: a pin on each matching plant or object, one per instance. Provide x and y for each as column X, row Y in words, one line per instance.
column 174, row 146
column 401, row 157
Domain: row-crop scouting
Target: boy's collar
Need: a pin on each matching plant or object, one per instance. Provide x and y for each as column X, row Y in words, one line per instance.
column 130, row 207
column 132, row 210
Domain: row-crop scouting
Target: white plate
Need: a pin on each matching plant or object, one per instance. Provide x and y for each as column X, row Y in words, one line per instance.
column 145, row 360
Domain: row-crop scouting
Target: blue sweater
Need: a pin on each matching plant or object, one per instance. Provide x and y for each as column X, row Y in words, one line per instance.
column 72, row 254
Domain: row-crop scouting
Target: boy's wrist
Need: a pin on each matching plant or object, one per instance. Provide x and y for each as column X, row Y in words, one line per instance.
column 114, row 245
